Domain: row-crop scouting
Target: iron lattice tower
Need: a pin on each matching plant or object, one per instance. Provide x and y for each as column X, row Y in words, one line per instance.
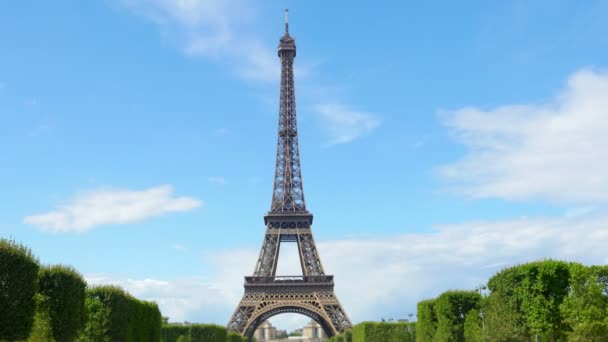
column 267, row 294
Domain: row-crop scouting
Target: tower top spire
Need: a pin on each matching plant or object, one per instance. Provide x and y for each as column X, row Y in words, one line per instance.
column 287, row 21
column 287, row 44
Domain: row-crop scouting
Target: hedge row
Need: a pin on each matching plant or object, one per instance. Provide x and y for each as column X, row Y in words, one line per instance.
column 18, row 287
column 384, row 331
column 117, row 316
column 50, row 303
column 347, row 336
column 63, row 291
column 198, row 333
column 378, row 331
column 546, row 301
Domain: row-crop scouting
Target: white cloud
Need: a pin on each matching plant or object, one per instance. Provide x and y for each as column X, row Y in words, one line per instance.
column 117, row 206
column 554, row 151
column 344, row 124
column 218, row 180
column 401, row 269
column 216, row 29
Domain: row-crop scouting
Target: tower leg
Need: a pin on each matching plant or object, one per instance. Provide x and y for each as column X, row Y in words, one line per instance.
column 269, row 254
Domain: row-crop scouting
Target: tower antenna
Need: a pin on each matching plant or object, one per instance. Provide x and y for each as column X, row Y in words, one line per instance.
column 286, row 20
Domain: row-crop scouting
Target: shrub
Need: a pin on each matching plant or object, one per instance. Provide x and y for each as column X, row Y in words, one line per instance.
column 114, row 318
column 41, row 329
column 585, row 309
column 533, row 293
column 172, row 332
column 235, row 337
column 114, row 315
column 207, row 332
column 97, row 320
column 426, row 325
column 451, row 309
column 145, row 322
column 18, row 286
column 386, row 332
column 473, row 329
column 64, row 291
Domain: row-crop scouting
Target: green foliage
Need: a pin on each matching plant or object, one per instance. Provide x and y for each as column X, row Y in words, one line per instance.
column 182, row 338
column 503, row 322
column 207, row 332
column 97, row 321
column 64, row 291
column 347, row 336
column 18, row 286
column 41, row 329
column 114, row 315
column 172, row 332
column 426, row 326
column 585, row 309
column 388, row 332
column 473, row 329
column 451, row 309
column 235, row 337
column 146, row 321
column 532, row 295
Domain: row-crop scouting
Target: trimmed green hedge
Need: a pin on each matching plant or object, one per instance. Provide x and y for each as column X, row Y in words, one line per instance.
column 384, row 331
column 115, row 315
column 530, row 296
column 64, row 291
column 451, row 308
column 198, row 332
column 41, row 330
column 172, row 332
column 207, row 332
column 347, row 336
column 426, row 325
column 585, row 309
column 473, row 327
column 18, row 286
column 235, row 337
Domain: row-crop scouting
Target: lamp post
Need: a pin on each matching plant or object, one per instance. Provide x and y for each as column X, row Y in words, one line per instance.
column 482, row 314
column 409, row 327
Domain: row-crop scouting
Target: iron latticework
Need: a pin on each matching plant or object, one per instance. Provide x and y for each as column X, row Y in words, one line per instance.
column 267, row 294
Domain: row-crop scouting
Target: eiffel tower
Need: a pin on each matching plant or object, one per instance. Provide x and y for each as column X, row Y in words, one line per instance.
column 267, row 294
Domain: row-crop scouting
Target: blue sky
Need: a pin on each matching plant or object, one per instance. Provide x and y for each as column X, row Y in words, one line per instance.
column 439, row 141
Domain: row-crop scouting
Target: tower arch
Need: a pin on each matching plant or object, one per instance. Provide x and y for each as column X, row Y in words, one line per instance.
column 309, row 312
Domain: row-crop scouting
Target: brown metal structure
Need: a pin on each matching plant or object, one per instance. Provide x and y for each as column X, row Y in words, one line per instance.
column 267, row 294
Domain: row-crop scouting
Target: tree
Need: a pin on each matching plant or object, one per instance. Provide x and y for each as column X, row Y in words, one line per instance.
column 585, row 309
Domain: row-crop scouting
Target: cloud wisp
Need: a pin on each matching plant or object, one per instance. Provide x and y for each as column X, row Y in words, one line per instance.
column 343, row 124
column 105, row 207
column 402, row 269
column 214, row 29
column 221, row 31
column 551, row 151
